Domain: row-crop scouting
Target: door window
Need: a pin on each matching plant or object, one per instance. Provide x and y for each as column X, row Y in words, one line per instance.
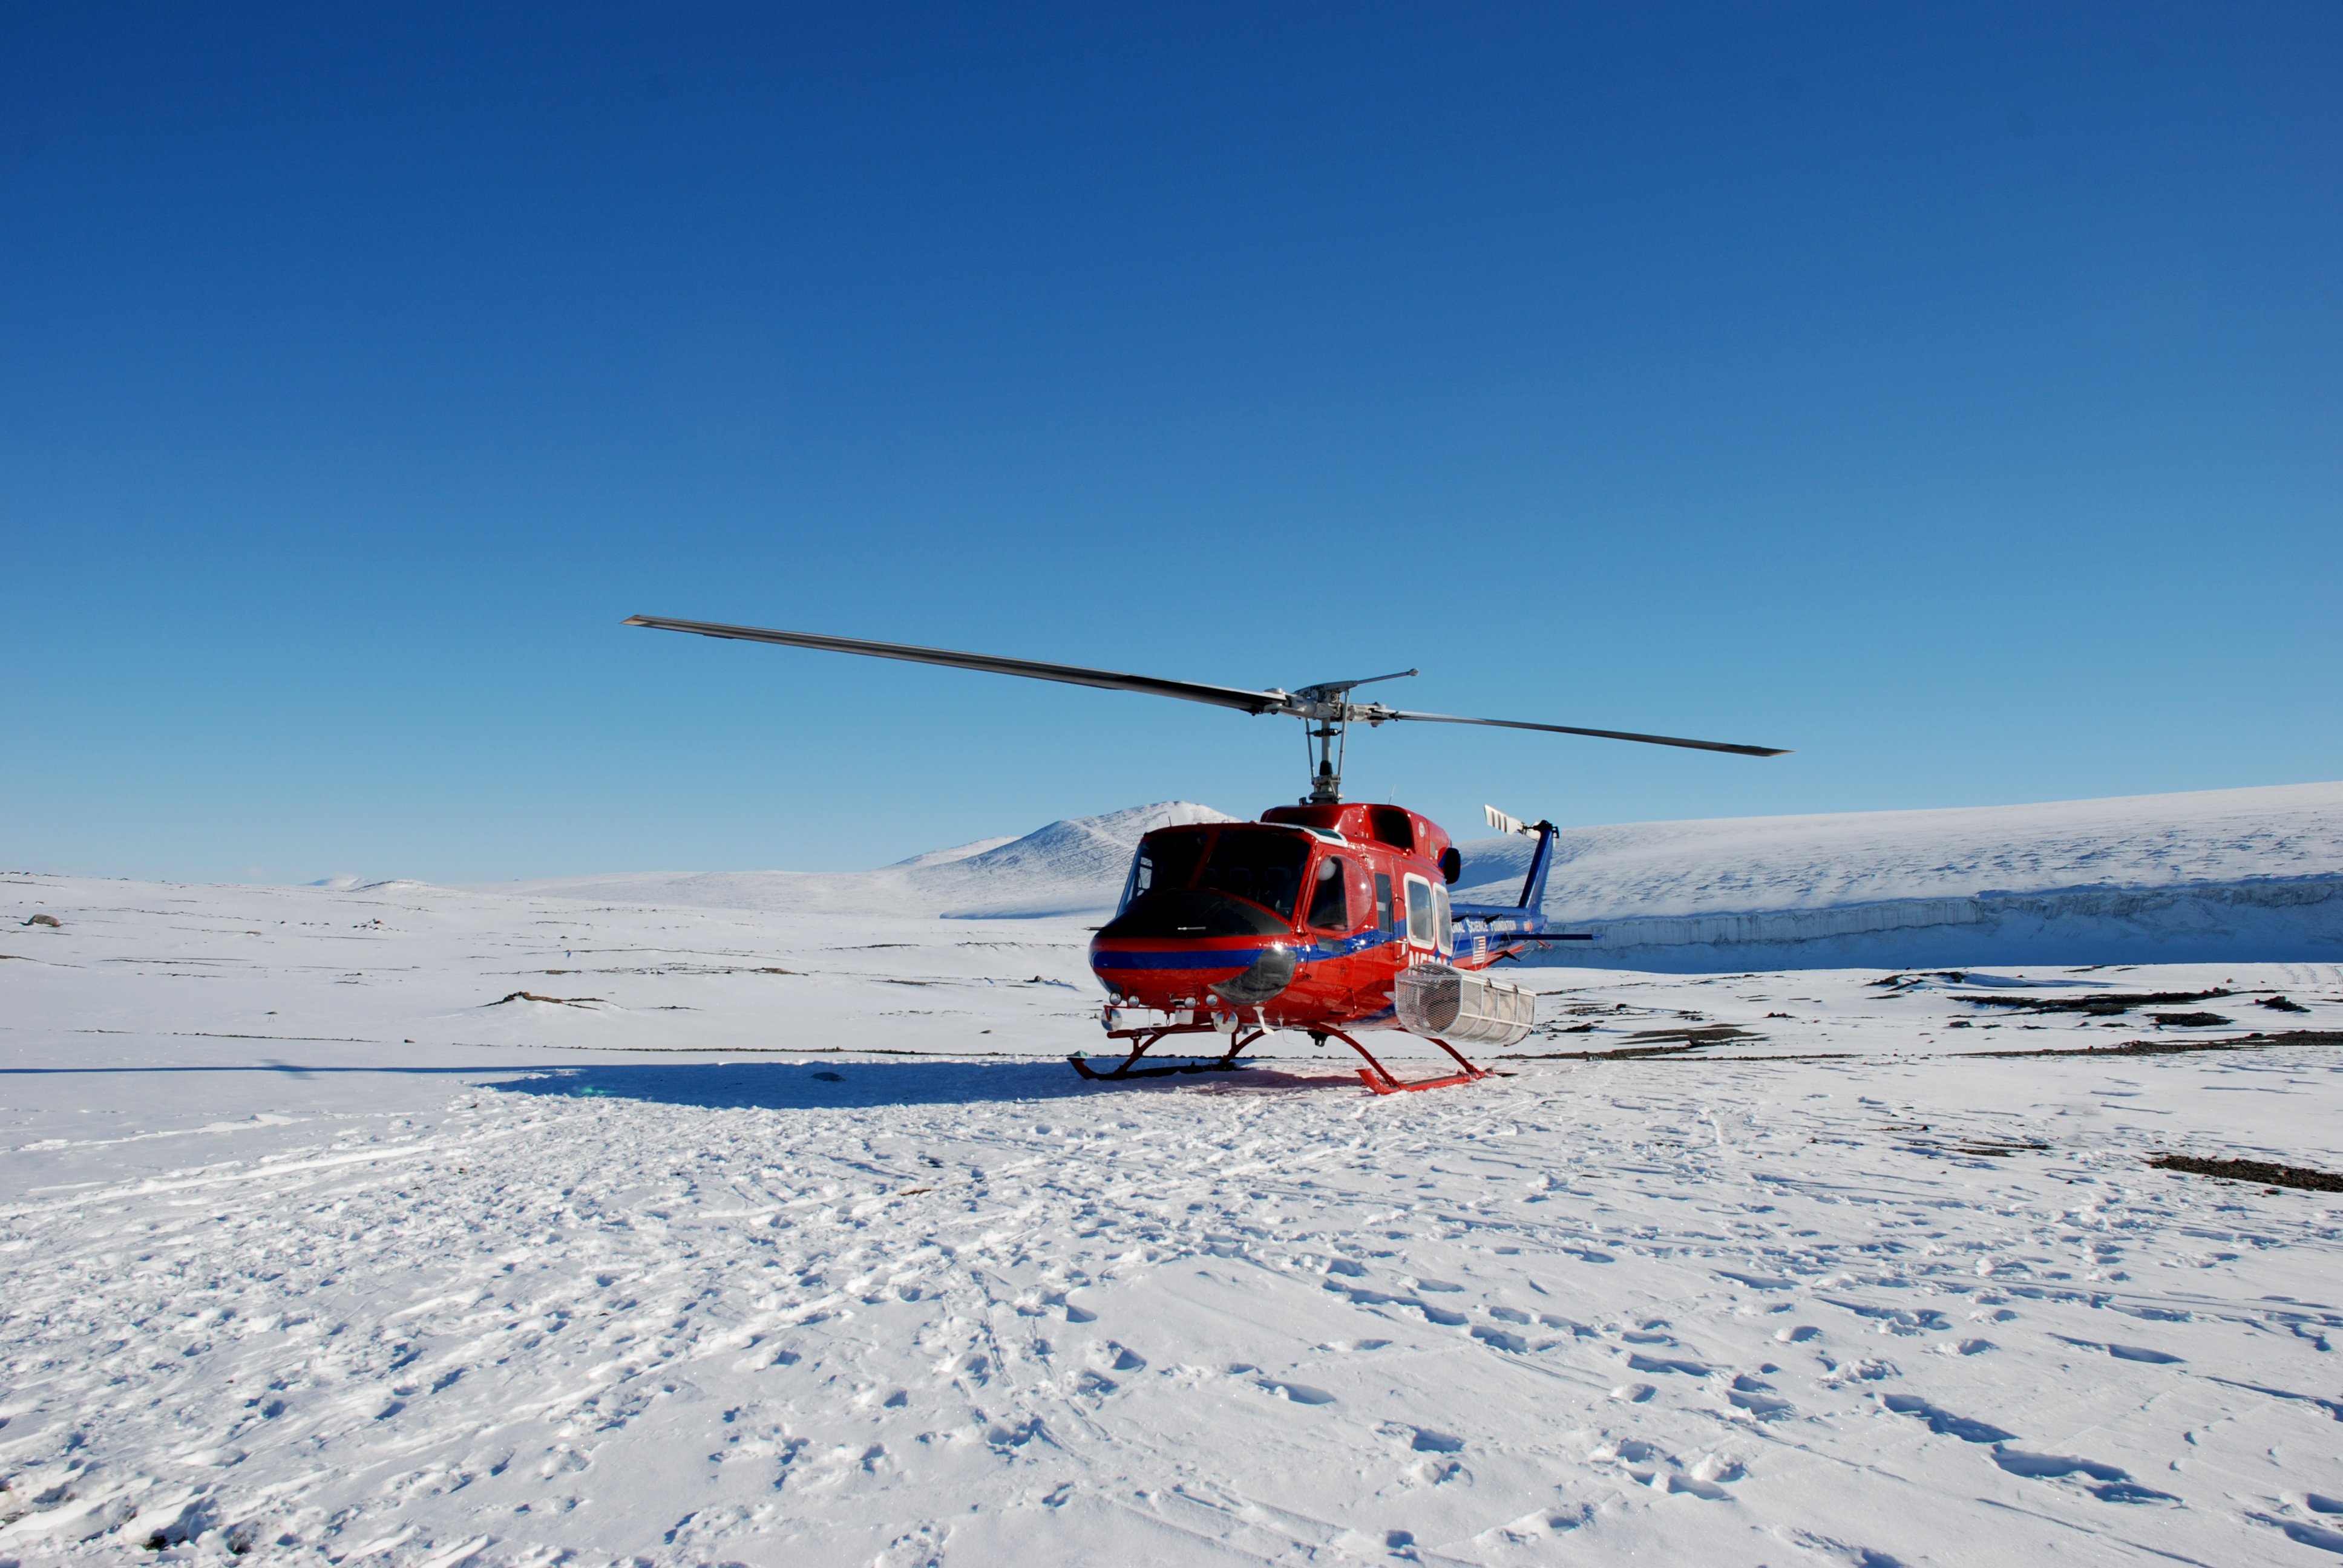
column 1419, row 911
column 1330, row 906
column 1383, row 920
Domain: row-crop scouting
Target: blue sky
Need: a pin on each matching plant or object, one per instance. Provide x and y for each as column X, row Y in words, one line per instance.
column 1950, row 394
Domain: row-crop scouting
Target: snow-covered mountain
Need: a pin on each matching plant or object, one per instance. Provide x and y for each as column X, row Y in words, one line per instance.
column 1069, row 868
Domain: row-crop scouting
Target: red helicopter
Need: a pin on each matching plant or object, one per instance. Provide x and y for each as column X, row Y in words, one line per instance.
column 1326, row 917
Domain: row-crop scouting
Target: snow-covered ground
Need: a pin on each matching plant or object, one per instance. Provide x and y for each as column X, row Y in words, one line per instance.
column 778, row 1235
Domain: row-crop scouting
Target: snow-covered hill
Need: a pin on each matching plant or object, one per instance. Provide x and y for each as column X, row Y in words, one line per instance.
column 1074, row 866
column 2244, row 874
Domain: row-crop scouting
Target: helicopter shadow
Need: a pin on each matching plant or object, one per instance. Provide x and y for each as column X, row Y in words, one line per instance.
column 859, row 1085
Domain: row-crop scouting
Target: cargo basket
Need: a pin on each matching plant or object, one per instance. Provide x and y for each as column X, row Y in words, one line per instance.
column 1463, row 1008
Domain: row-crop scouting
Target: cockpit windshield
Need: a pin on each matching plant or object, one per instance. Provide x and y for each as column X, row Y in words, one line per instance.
column 1164, row 860
column 1265, row 867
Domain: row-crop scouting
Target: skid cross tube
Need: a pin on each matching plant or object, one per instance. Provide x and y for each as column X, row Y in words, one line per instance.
column 1374, row 1075
column 1378, row 1077
column 1147, row 1039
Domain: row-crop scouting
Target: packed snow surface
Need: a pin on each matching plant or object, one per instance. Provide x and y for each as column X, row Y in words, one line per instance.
column 409, row 1225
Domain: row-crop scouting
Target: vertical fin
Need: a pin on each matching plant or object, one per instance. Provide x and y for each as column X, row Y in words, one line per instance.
column 1540, row 863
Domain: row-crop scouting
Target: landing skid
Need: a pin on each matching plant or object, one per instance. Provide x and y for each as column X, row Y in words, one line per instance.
column 1147, row 1039
column 1378, row 1077
column 1374, row 1075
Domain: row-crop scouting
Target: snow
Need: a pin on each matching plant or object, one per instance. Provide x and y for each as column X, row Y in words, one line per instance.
column 1643, row 869
column 776, row 1231
column 1071, row 867
column 2209, row 876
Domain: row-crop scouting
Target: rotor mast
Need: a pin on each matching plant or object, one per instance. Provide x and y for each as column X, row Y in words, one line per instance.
column 1322, row 708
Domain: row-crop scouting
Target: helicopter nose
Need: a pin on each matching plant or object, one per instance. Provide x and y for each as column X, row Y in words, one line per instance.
column 1173, row 949
column 1271, row 972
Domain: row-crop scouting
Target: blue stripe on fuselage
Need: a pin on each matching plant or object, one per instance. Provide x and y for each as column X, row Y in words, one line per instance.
column 1237, row 957
column 1195, row 959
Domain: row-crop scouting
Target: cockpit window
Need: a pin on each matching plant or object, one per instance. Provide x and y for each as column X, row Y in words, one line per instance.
column 1330, row 908
column 1164, row 860
column 1265, row 867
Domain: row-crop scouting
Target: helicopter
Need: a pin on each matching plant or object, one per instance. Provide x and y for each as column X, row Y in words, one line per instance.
column 1330, row 916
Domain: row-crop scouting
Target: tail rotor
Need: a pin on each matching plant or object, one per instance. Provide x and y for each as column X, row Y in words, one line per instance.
column 1505, row 824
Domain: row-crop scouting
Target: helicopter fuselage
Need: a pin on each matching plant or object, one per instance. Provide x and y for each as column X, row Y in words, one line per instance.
column 1304, row 919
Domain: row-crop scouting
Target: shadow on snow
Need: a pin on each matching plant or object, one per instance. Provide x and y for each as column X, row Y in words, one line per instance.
column 852, row 1085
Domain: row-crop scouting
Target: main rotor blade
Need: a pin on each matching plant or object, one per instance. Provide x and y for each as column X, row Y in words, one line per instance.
column 1599, row 734
column 1187, row 691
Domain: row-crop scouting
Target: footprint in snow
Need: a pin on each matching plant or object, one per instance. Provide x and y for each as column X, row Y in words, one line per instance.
column 1295, row 1392
column 1944, row 1423
column 2125, row 1352
column 1627, row 1450
column 2113, row 1485
column 2303, row 1535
